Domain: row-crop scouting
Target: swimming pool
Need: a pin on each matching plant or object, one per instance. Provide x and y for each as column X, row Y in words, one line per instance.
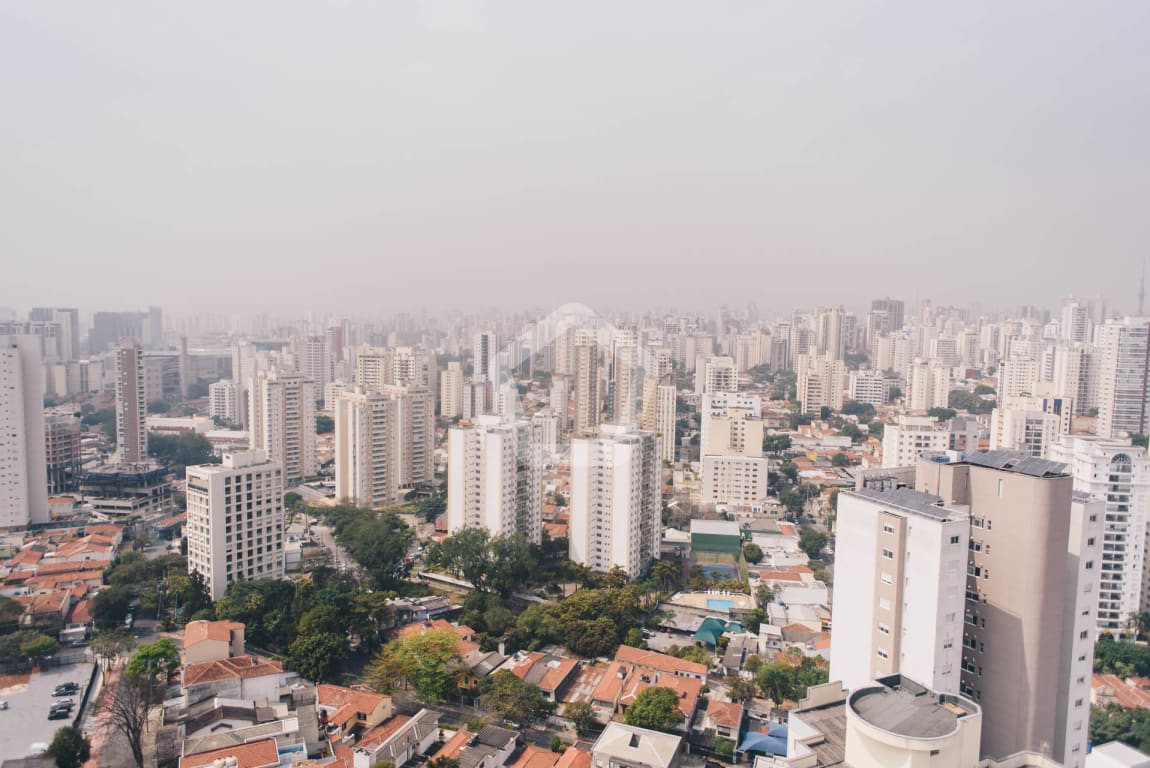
column 715, row 604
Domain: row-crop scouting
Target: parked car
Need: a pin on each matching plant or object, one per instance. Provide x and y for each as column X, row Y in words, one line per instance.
column 79, row 643
column 66, row 689
column 58, row 714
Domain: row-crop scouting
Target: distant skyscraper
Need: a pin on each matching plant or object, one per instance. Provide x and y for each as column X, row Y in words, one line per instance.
column 624, row 379
column 451, row 391
column 494, row 478
column 927, row 385
column 485, row 356
column 23, row 474
column 235, row 520
column 819, row 383
column 316, row 361
column 894, row 312
column 615, row 500
column 660, row 398
column 282, row 423
column 108, row 328
column 62, row 443
column 830, row 336
column 715, row 374
column 131, row 403
column 587, row 406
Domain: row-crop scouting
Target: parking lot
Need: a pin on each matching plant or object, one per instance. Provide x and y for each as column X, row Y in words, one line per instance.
column 26, row 722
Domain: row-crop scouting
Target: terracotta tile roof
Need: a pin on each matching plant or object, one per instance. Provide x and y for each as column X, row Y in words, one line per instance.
column 659, row 661
column 454, row 745
column 383, row 732
column 199, row 631
column 241, row 667
column 26, row 556
column 611, row 686
column 255, row 754
column 1128, row 693
column 344, row 754
column 81, row 612
column 346, row 703
column 47, row 569
column 557, row 530
column 574, row 758
column 687, row 688
column 726, row 713
column 536, row 757
column 50, row 602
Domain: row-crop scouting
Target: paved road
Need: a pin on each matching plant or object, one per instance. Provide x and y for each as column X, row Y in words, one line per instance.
column 341, row 559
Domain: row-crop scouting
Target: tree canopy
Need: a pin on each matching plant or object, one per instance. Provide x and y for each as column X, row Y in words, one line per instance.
column 656, row 708
column 500, row 564
column 69, row 748
column 515, row 700
column 421, row 660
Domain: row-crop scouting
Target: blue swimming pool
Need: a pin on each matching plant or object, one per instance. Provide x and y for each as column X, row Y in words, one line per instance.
column 715, row 604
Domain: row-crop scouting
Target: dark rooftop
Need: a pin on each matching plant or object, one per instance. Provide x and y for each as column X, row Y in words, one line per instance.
column 1016, row 461
column 910, row 500
column 900, row 705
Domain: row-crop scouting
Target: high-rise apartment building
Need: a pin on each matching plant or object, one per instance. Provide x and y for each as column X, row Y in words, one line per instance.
column 1124, row 377
column 451, row 391
column 899, row 588
column 494, row 478
column 869, row 386
column 1030, row 424
column 1118, row 474
column 660, row 398
column 893, row 310
column 615, row 500
column 366, row 449
column 131, row 403
column 23, row 474
column 235, row 526
column 927, row 385
column 281, row 423
column 830, row 335
column 485, row 357
column 587, row 406
column 62, row 449
column 560, row 400
column 715, row 374
column 820, row 383
column 624, row 379
column 414, row 434
column 731, row 449
column 223, row 401
column 1028, row 635
column 315, row 361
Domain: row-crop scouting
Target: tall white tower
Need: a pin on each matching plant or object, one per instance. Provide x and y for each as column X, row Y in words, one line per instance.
column 23, row 458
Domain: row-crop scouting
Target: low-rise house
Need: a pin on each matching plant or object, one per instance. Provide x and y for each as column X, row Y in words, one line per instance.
column 239, row 677
column 625, row 746
column 398, row 740
column 348, row 711
column 492, row 747
column 550, row 673
column 739, row 648
column 1128, row 693
column 255, row 754
column 687, row 689
column 661, row 662
column 408, row 610
column 212, row 640
column 725, row 718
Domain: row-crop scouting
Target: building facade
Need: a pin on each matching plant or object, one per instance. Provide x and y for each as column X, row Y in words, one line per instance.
column 282, row 423
column 366, row 449
column 131, row 403
column 235, row 527
column 23, row 459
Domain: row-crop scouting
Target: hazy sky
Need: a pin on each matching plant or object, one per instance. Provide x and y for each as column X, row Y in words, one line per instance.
column 392, row 155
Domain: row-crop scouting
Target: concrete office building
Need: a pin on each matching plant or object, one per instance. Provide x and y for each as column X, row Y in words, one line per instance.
column 899, row 588
column 1028, row 642
column 615, row 500
column 366, row 449
column 281, row 423
column 235, row 520
column 494, row 478
column 23, row 459
column 1118, row 474
column 64, row 463
column 131, row 403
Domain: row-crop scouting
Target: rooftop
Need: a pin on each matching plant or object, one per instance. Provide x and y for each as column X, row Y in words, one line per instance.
column 899, row 705
column 715, row 527
column 912, row 501
column 257, row 754
column 637, row 745
column 1016, row 461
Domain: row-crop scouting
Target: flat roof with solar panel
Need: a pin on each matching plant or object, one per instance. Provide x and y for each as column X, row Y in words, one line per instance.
column 1016, row 461
column 912, row 501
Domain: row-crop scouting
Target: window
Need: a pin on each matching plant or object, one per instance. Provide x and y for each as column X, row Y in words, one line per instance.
column 883, row 629
column 887, row 528
column 886, row 578
column 887, row 554
column 955, row 539
column 882, row 654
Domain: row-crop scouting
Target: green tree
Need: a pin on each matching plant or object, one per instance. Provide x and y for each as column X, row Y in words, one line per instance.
column 775, row 682
column 158, row 406
column 419, row 660
column 110, row 606
column 840, row 459
column 724, row 748
column 1139, row 440
column 515, row 700
column 983, row 389
column 740, row 688
column 324, row 619
column 38, row 646
column 752, row 553
column 942, row 414
column 160, row 659
column 184, row 449
column 317, row 656
column 812, row 541
column 324, row 425
column 776, row 444
column 582, row 714
column 69, row 748
column 1113, row 723
column 656, row 708
column 110, row 644
column 864, row 411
